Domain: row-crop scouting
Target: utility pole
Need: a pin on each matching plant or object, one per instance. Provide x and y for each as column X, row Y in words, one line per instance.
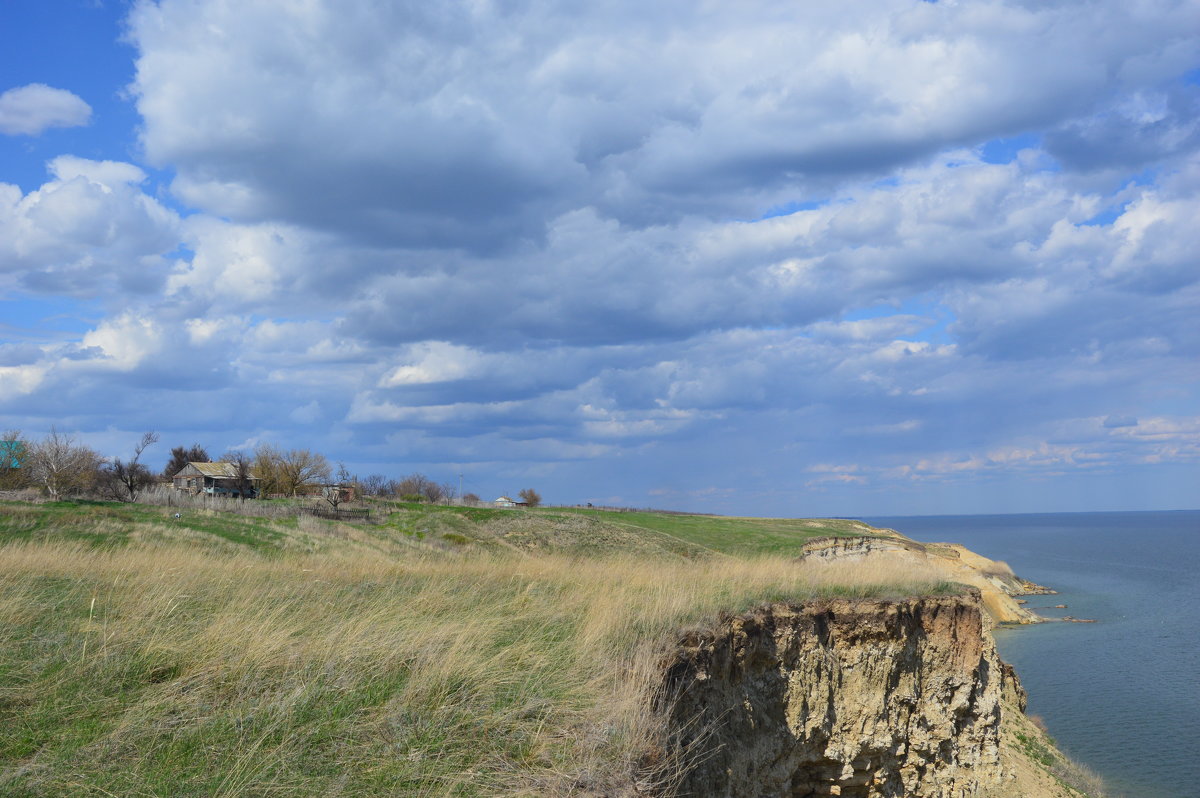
column 460, row 493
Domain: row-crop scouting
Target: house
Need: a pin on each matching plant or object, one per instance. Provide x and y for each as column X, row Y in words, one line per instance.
column 11, row 454
column 215, row 479
column 504, row 501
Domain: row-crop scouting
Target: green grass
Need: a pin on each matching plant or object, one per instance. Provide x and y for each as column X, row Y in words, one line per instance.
column 115, row 523
column 742, row 536
column 579, row 531
column 1037, row 750
column 587, row 532
column 1035, row 744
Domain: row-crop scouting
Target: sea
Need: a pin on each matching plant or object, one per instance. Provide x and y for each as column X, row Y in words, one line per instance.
column 1121, row 695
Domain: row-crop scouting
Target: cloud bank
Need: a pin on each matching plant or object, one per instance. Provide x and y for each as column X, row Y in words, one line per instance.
column 750, row 258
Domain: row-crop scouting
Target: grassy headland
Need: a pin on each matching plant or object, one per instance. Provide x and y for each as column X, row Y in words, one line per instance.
column 443, row 651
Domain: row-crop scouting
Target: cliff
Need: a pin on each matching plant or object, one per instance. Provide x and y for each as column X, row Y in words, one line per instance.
column 998, row 586
column 853, row 697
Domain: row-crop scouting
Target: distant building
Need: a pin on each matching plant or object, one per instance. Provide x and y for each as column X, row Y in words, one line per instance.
column 336, row 491
column 504, row 501
column 215, row 479
column 11, row 454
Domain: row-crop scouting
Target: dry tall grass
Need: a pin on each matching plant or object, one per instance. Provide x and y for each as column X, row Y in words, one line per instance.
column 159, row 669
column 253, row 508
column 169, row 497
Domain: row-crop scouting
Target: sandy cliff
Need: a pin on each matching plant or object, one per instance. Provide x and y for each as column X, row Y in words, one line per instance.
column 998, row 586
column 867, row 698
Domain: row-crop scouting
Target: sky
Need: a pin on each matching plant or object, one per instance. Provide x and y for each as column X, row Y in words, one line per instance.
column 762, row 258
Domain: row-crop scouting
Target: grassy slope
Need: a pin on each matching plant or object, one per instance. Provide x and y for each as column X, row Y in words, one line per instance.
column 442, row 652
column 109, row 523
column 742, row 536
column 596, row 531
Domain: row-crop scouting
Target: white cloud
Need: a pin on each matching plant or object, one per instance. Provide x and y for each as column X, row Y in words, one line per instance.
column 126, row 340
column 107, row 174
column 236, row 266
column 32, row 109
column 89, row 231
column 366, row 411
column 306, row 414
column 437, row 361
column 18, row 380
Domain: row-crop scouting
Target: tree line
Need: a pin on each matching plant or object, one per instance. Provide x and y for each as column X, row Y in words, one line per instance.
column 62, row 466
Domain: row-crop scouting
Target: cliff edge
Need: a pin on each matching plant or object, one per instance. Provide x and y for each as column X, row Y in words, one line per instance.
column 998, row 586
column 853, row 697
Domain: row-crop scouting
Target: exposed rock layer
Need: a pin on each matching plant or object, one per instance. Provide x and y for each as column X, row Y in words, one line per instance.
column 997, row 584
column 865, row 698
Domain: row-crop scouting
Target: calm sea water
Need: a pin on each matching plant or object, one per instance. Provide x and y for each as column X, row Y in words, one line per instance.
column 1121, row 695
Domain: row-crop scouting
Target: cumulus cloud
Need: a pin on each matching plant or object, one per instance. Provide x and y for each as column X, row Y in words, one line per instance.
column 90, row 230
column 30, row 110
column 472, row 125
column 106, row 174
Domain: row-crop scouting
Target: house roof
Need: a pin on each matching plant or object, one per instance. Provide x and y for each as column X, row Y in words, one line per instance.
column 228, row 470
column 216, row 469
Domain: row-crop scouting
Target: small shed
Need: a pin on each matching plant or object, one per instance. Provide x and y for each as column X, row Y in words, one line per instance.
column 338, row 491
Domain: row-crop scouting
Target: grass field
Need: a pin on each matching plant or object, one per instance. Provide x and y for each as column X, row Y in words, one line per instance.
column 441, row 652
column 743, row 536
column 575, row 531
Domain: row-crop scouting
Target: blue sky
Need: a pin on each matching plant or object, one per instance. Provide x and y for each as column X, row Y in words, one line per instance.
column 761, row 258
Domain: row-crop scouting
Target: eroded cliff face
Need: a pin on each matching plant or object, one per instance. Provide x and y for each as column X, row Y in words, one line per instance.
column 997, row 584
column 865, row 698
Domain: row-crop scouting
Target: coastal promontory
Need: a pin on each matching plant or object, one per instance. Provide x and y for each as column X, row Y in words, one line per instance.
column 214, row 647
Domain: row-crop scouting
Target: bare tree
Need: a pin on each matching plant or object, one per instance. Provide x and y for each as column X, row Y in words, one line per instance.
column 61, row 465
column 302, row 467
column 125, row 481
column 530, row 497
column 266, row 466
column 288, row 471
column 420, row 488
column 343, row 484
column 433, row 492
column 414, row 488
column 14, row 457
column 243, row 473
column 181, row 456
column 376, row 485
